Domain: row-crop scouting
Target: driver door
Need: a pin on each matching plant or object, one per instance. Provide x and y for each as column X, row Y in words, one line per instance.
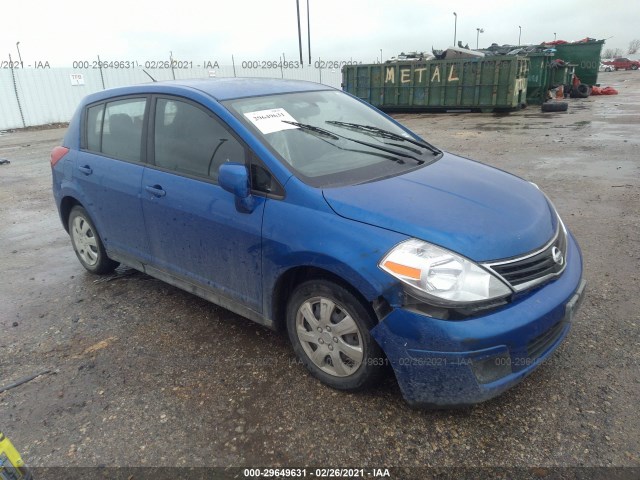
column 195, row 231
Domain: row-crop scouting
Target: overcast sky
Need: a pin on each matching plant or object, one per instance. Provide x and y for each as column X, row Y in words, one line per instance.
column 64, row 31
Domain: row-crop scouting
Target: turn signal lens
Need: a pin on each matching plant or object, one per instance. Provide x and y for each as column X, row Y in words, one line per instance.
column 402, row 270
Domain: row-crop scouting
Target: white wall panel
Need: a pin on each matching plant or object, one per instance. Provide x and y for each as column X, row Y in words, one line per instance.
column 47, row 95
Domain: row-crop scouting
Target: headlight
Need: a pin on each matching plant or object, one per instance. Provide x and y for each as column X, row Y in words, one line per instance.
column 442, row 276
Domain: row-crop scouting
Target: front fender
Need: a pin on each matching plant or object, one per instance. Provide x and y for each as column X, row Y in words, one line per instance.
column 305, row 236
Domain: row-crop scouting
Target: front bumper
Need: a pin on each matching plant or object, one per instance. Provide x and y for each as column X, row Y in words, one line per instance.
column 445, row 363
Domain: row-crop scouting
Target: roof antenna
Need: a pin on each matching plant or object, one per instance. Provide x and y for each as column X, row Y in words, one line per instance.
column 147, row 73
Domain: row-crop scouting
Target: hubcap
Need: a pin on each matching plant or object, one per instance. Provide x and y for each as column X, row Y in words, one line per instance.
column 85, row 241
column 329, row 336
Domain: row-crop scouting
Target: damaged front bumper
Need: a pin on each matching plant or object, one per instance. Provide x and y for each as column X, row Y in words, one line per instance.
column 446, row 363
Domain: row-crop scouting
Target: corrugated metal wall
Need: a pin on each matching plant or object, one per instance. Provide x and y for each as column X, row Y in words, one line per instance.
column 41, row 96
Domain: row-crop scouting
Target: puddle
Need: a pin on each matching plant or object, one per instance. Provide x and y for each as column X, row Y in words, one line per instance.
column 492, row 127
column 591, row 164
column 547, row 116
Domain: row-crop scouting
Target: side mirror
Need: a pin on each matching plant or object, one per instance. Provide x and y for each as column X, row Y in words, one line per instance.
column 234, row 178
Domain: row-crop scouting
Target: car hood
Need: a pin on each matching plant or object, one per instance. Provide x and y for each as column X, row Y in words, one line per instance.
column 465, row 206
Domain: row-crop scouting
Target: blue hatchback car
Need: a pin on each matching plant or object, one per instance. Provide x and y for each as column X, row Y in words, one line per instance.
column 303, row 208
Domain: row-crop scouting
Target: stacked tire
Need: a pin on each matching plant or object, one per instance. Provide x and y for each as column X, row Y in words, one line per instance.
column 581, row 90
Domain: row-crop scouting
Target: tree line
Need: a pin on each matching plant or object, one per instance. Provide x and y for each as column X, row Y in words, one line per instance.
column 634, row 46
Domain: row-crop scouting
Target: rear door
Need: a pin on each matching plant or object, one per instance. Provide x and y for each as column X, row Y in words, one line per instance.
column 195, row 230
column 109, row 170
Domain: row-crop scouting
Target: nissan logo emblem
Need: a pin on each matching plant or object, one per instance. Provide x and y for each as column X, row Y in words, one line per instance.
column 557, row 255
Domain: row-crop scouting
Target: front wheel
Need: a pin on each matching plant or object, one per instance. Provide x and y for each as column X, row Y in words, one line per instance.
column 329, row 330
column 634, row 67
column 87, row 244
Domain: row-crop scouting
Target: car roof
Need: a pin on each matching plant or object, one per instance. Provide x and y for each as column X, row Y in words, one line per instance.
column 218, row 88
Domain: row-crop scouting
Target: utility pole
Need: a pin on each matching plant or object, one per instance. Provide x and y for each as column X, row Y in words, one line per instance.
column 299, row 32
column 519, row 35
column 309, row 32
column 455, row 28
column 479, row 30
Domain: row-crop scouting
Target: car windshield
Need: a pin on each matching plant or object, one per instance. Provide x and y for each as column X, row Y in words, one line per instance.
column 328, row 138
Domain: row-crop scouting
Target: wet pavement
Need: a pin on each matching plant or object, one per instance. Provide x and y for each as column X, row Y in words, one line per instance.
column 143, row 374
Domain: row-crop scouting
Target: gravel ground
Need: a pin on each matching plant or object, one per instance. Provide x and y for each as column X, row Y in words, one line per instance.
column 143, row 374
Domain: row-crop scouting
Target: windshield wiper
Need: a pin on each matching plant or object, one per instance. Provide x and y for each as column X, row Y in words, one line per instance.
column 385, row 134
column 384, row 155
column 312, row 128
column 335, row 136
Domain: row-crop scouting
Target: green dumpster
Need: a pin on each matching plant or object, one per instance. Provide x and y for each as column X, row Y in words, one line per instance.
column 585, row 56
column 561, row 74
column 545, row 74
column 488, row 84
column 538, row 79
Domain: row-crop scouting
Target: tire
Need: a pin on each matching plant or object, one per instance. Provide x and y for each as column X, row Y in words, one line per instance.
column 87, row 243
column 581, row 91
column 555, row 107
column 634, row 67
column 341, row 355
column 607, row 69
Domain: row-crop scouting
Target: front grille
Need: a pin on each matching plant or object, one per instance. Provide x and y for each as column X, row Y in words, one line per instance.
column 540, row 344
column 534, row 268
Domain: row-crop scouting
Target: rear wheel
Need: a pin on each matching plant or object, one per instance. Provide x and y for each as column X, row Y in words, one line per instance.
column 329, row 330
column 87, row 244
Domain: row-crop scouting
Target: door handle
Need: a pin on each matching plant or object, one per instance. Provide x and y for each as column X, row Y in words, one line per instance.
column 155, row 190
column 86, row 169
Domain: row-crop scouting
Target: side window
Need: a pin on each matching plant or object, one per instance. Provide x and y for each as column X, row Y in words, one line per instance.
column 188, row 140
column 115, row 128
column 94, row 127
column 122, row 129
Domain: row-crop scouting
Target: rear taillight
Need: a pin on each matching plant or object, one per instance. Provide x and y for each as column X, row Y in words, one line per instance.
column 57, row 153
